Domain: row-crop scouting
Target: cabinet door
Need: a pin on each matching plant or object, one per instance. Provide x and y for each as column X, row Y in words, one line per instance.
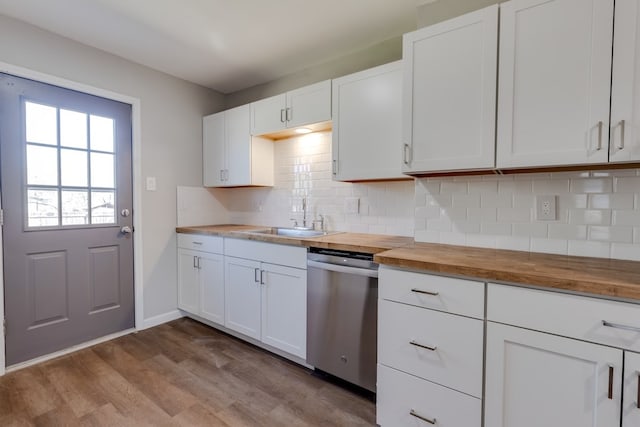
column 268, row 115
column 284, row 308
column 309, row 104
column 188, row 281
column 242, row 296
column 554, row 86
column 535, row 379
column 625, row 95
column 631, row 403
column 213, row 152
column 238, row 147
column 367, row 124
column 450, row 93
column 212, row 287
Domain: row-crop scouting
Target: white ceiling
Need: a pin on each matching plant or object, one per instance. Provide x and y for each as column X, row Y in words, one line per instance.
column 227, row 45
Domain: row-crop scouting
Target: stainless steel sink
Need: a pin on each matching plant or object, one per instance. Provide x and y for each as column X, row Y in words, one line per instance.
column 291, row 232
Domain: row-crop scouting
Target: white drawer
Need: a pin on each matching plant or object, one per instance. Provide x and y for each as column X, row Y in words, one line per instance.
column 292, row 256
column 199, row 242
column 567, row 315
column 398, row 394
column 458, row 296
column 456, row 361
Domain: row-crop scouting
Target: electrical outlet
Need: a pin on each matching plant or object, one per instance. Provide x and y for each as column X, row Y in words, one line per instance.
column 352, row 205
column 546, row 208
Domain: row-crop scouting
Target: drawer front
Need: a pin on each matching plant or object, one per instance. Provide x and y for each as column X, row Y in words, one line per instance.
column 456, row 361
column 292, row 256
column 457, row 296
column 398, row 394
column 572, row 316
column 199, row 242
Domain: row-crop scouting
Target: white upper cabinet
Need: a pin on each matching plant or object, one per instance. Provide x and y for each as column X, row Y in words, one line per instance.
column 554, row 86
column 367, row 121
column 307, row 105
column 231, row 156
column 450, row 94
column 625, row 95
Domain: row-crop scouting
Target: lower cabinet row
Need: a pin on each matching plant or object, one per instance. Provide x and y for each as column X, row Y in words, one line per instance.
column 260, row 300
column 546, row 358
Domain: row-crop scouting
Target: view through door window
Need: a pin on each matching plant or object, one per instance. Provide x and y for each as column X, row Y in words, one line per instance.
column 70, row 167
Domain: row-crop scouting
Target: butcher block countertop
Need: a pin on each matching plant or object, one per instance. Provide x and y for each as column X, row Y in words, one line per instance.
column 357, row 242
column 599, row 276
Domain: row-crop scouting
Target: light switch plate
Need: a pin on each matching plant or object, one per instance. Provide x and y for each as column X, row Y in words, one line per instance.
column 151, row 183
column 546, row 208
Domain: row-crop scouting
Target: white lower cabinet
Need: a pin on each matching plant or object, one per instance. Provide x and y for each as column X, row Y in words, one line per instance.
column 430, row 361
column 405, row 400
column 264, row 300
column 535, row 379
column 201, row 277
column 562, row 360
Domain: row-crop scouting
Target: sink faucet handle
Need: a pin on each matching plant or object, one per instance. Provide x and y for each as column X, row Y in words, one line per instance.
column 295, row 222
column 321, row 221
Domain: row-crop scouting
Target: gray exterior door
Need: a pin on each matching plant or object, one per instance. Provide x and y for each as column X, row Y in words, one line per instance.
column 65, row 169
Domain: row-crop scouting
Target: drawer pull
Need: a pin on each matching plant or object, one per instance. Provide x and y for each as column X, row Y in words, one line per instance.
column 620, row 326
column 197, row 243
column 423, row 418
column 610, row 393
column 412, row 342
column 420, row 291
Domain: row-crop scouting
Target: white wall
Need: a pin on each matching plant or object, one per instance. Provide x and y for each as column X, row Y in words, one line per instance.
column 303, row 169
column 598, row 212
column 171, row 134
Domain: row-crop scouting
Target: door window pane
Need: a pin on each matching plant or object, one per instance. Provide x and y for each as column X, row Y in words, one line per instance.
column 75, row 207
column 73, row 129
column 41, row 124
column 74, row 168
column 103, row 210
column 102, row 170
column 102, row 133
column 42, row 165
column 42, row 208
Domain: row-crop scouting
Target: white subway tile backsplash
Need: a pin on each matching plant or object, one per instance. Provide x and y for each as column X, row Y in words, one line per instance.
column 549, row 246
column 551, row 186
column 611, row 234
column 517, row 187
column 589, row 248
column 592, row 185
column 466, row 227
column 626, row 217
column 454, row 214
column 482, row 214
column 627, row 184
column 477, row 187
column 590, row 216
column 453, row 238
column 454, row 187
column 429, row 236
column 532, row 229
column 625, row 251
column 466, row 200
column 496, row 229
column 514, row 243
column 567, row 231
column 514, row 215
column 611, row 201
column 490, row 200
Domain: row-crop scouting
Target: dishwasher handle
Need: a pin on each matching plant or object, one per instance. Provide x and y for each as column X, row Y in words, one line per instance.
column 343, row 269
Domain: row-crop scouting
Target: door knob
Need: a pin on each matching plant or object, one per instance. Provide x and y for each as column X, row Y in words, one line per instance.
column 126, row 230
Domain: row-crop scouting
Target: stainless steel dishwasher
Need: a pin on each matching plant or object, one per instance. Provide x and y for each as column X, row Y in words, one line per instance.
column 342, row 313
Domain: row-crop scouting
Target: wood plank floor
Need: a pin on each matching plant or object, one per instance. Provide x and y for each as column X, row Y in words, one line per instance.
column 181, row 373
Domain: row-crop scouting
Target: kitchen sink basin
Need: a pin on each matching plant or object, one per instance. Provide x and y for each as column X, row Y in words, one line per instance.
column 291, row 232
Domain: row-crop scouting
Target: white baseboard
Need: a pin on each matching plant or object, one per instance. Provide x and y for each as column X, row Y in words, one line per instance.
column 160, row 319
column 71, row 349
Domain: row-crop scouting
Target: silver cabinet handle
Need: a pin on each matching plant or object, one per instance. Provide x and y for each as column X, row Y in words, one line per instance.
column 600, row 125
column 406, row 153
column 199, row 262
column 420, row 291
column 413, row 413
column 610, row 391
column 221, row 174
column 283, row 118
column 417, row 344
column 335, row 166
column 197, row 243
column 195, row 262
column 262, row 277
column 638, row 394
column 289, row 114
column 620, row 326
column 622, row 126
column 256, row 271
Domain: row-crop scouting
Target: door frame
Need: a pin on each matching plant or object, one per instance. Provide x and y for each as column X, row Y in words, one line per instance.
column 136, row 149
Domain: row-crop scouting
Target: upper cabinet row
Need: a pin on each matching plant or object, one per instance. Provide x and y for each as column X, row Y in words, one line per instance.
column 558, row 102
